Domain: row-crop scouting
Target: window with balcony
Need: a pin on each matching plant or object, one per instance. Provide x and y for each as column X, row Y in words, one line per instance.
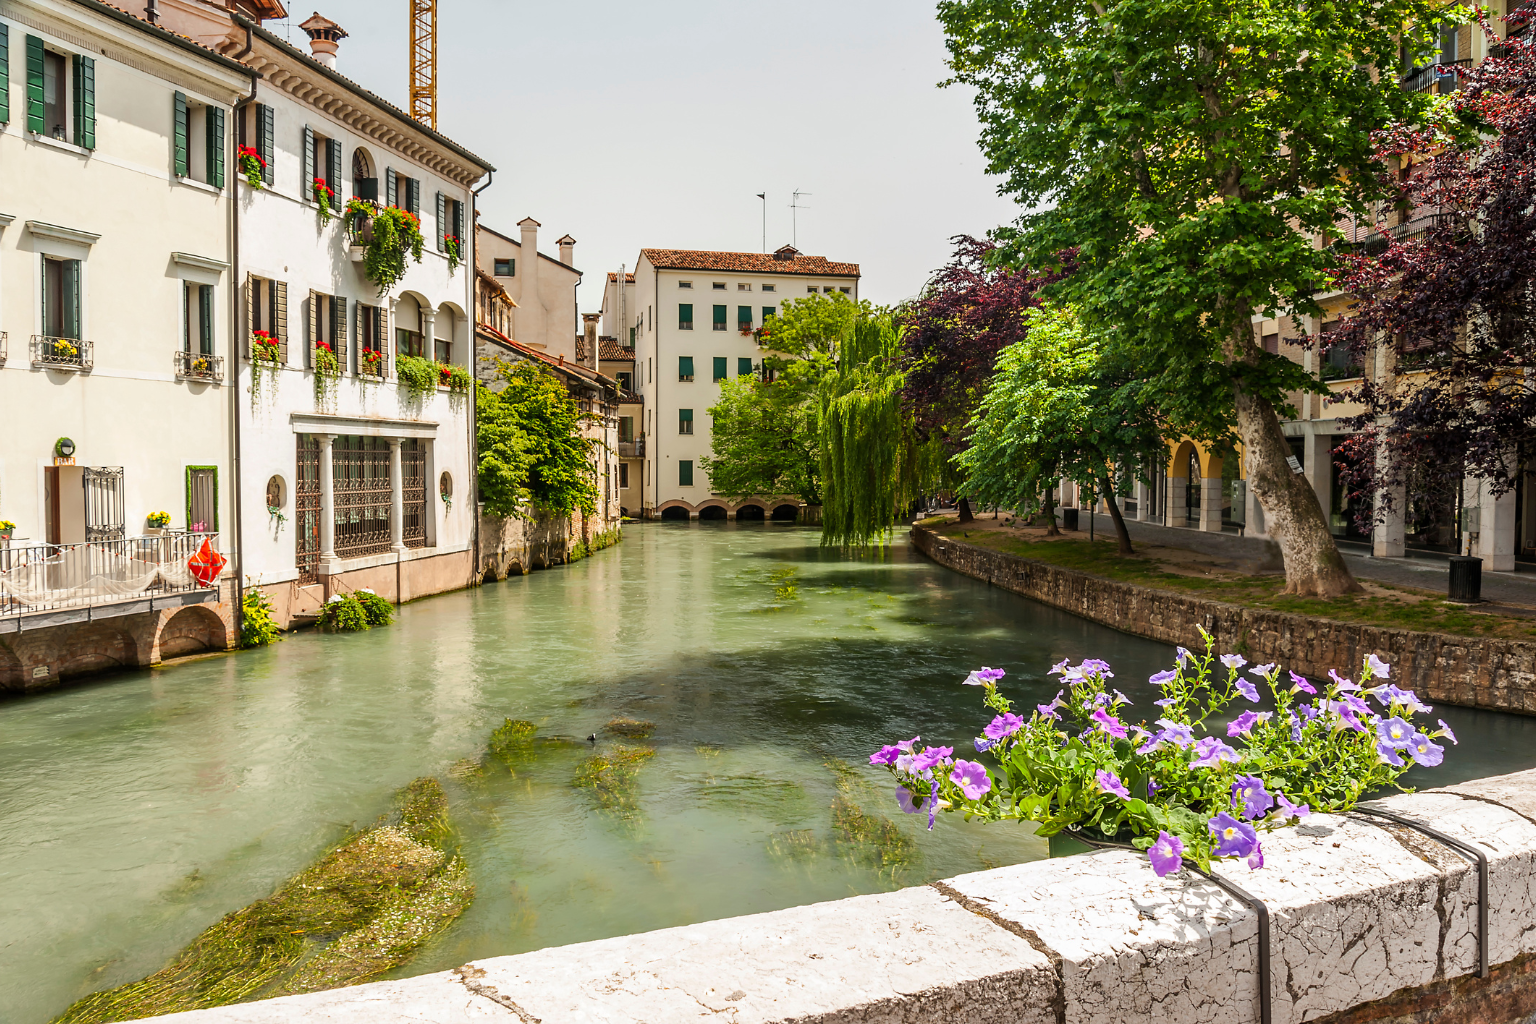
column 721, row 365
column 60, row 344
column 720, row 315
column 685, row 421
column 626, row 430
column 685, row 316
column 685, row 368
column 196, row 359
column 203, row 499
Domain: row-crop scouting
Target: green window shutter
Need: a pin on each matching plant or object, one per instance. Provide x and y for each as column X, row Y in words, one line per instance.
column 333, row 167
column 685, row 371
column 180, row 131
column 72, row 299
column 442, row 223
column 721, row 368
column 266, row 140
column 685, row 313
column 205, row 318
column 215, row 133
column 279, row 295
column 5, row 73
column 768, row 311
column 744, row 316
column 720, row 314
column 685, row 473
column 307, row 183
column 85, row 101
column 744, row 366
column 341, row 344
column 413, row 197
column 391, row 187
column 186, row 316
column 685, row 415
column 458, row 225
column 35, row 86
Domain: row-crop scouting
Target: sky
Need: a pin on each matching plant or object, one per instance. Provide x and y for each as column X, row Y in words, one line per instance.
column 656, row 125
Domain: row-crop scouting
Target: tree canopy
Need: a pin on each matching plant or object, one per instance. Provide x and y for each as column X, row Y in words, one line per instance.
column 813, row 325
column 533, row 457
column 765, row 435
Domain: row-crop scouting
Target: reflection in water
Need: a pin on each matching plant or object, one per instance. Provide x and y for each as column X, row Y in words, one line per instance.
column 136, row 811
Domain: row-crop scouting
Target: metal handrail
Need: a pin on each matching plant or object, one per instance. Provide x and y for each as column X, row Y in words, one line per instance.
column 1430, row 75
column 57, row 353
column 47, row 577
column 196, row 366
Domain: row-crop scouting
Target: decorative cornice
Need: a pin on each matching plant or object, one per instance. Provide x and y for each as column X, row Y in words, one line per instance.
column 367, row 426
column 5, row 220
column 186, row 259
column 45, row 230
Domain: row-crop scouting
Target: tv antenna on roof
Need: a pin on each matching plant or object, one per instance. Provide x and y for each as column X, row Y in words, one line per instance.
column 795, row 209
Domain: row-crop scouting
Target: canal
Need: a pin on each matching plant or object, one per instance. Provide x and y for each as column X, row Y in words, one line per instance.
column 139, row 809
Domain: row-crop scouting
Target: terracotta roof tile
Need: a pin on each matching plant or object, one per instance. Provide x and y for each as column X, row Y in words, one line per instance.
column 613, row 277
column 753, row 262
column 586, row 373
column 163, row 31
column 609, row 350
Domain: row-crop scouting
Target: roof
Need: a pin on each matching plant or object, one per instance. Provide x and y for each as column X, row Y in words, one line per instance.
column 609, row 350
column 342, row 80
column 519, row 244
column 174, row 38
column 613, row 277
column 746, row 262
column 559, row 365
column 495, row 288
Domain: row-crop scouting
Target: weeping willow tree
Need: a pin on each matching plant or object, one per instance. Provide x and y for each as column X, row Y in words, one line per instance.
column 872, row 462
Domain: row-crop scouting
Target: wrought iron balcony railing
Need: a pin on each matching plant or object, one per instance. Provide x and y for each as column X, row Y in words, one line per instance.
column 196, row 366
column 46, row 577
column 1440, row 77
column 69, row 354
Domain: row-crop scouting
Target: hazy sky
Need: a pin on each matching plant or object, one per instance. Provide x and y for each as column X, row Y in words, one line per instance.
column 656, row 124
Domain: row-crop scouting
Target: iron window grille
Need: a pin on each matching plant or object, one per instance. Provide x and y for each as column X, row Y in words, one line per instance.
column 360, row 492
column 306, row 509
column 104, row 516
column 413, row 479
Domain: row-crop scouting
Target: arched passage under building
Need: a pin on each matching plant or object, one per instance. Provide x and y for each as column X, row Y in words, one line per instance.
column 750, row 514
column 714, row 512
column 786, row 513
column 673, row 513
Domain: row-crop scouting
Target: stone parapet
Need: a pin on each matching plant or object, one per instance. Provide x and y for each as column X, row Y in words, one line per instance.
column 1475, row 672
column 1370, row 921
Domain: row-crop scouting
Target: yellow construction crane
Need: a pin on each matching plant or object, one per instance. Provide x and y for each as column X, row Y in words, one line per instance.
column 424, row 62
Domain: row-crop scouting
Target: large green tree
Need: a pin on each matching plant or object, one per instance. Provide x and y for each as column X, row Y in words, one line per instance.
column 533, row 458
column 1192, row 153
column 1058, row 406
column 765, row 435
column 814, row 325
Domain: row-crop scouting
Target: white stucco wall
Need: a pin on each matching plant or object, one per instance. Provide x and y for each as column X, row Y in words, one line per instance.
column 549, row 320
column 131, row 411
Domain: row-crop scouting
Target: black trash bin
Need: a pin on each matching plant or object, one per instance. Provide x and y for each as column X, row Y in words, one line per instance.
column 1069, row 519
column 1466, row 579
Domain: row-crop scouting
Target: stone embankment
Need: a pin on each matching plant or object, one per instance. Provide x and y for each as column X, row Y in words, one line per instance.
column 1369, row 921
column 1486, row 673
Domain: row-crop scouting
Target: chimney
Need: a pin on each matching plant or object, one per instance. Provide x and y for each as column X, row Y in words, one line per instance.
column 528, row 297
column 324, row 35
column 589, row 323
column 567, row 246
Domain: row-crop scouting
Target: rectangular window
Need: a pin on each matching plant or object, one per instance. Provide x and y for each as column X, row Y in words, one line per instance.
column 626, row 429
column 370, row 340
column 813, row 290
column 743, row 366
column 744, row 317
column 442, row 349
column 61, row 298
column 685, row 316
column 5, row 74
column 506, row 268
column 623, row 475
column 407, row 342
column 828, row 290
column 719, row 286
column 685, row 421
column 770, row 287
column 685, row 368
column 845, row 291
column 213, row 143
column 685, row 284
column 1272, row 344
column 361, row 495
column 197, row 318
column 769, row 311
column 721, row 363
column 685, row 473
column 631, row 338
column 720, row 314
column 54, row 85
column 743, row 287
column 626, row 379
column 266, row 314
column 202, row 499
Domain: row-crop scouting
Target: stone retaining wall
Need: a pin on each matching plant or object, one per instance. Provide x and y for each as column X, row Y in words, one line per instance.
column 1369, row 922
column 1491, row 673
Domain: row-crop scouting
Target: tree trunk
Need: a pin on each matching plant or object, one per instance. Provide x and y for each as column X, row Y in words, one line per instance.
column 964, row 505
column 1121, row 533
column 1292, row 515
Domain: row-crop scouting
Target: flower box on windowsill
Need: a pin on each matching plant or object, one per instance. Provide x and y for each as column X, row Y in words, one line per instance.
column 196, row 366
column 70, row 355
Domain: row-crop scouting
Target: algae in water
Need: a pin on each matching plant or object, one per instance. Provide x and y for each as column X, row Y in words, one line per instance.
column 613, row 776
column 366, row 907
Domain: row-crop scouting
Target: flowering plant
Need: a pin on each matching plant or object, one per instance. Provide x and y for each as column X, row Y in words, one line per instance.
column 251, row 165
column 265, row 348
column 1167, row 789
column 455, row 249
column 372, row 362
column 158, row 520
column 6, row 526
column 327, row 371
column 324, row 197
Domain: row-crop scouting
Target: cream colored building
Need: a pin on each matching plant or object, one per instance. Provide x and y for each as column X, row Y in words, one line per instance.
column 543, row 290
column 116, row 189
column 690, row 317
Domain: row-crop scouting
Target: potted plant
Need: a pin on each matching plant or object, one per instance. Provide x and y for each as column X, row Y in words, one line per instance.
column 157, row 522
column 455, row 248
column 324, row 197
column 371, row 363
column 360, row 214
column 251, row 165
column 327, row 371
column 266, row 357
column 6, row 529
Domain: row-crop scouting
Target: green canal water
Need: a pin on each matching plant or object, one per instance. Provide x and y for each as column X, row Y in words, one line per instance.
column 137, row 810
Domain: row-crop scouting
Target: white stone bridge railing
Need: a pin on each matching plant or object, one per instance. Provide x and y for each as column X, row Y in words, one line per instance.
column 1370, row 921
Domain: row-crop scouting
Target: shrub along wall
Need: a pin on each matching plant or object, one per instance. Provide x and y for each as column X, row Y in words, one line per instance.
column 1485, row 673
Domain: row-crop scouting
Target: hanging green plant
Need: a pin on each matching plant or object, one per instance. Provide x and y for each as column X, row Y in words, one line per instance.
column 388, row 237
column 327, row 372
column 419, row 375
column 454, row 247
column 455, row 378
column 251, row 165
column 324, row 197
column 266, row 357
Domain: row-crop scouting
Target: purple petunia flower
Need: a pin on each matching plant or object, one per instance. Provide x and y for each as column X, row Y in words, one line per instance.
column 904, row 762
column 983, row 745
column 1183, row 655
column 1246, row 721
column 1295, row 727
column 1109, row 724
column 1164, row 677
column 885, row 755
column 1262, row 671
column 1234, row 838
column 905, row 801
column 1256, row 858
column 1121, row 698
column 909, row 745
column 1060, row 668
column 932, row 758
column 1445, row 731
column 1166, row 855
column 1250, row 797
column 1152, row 788
column 1425, row 751
column 1342, row 683
column 972, row 779
column 1166, row 702
column 1311, row 712
column 1379, row 668
column 1093, row 666
column 1003, row 726
column 1148, row 741
column 933, row 804
column 1389, row 695
column 1212, row 752
column 1358, row 706
column 1101, row 700
column 1233, row 661
column 1110, row 783
column 1299, row 684
column 1246, row 688
column 984, row 677
column 1394, row 732
column 1389, row 755
column 1290, row 810
column 1177, row 733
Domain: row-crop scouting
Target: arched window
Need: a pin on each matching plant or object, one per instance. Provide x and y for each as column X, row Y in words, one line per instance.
column 1192, row 484
column 365, row 182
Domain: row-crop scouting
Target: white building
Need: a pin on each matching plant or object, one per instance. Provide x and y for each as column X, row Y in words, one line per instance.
column 359, row 481
column 689, row 316
column 116, row 341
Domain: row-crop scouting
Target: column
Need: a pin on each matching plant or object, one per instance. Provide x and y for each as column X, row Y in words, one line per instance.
column 1210, row 502
column 396, row 498
column 428, row 333
column 1491, row 534
column 330, row 565
column 1388, row 532
column 1317, row 465
column 1143, row 501
column 1176, row 503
